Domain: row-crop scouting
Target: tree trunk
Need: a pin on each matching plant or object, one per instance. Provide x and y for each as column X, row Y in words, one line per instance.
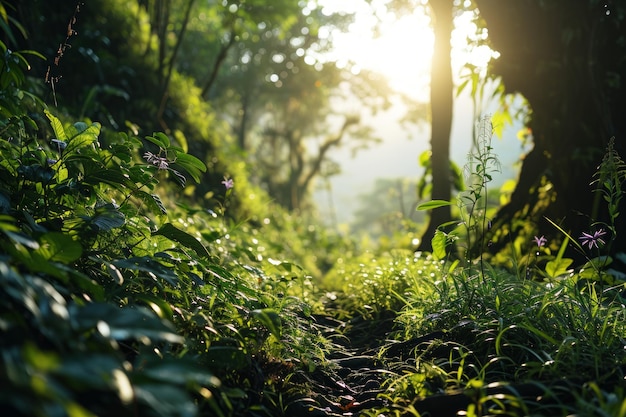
column 559, row 55
column 441, row 102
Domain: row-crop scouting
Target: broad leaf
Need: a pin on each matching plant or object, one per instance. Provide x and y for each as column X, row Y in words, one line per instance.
column 89, row 370
column 36, row 173
column 84, row 138
column 57, row 126
column 107, row 217
column 169, row 231
column 187, row 160
column 227, row 357
column 558, row 267
column 113, row 177
column 166, row 400
column 192, row 165
column 159, row 139
column 152, row 201
column 55, row 246
column 149, row 265
column 123, row 323
column 177, row 371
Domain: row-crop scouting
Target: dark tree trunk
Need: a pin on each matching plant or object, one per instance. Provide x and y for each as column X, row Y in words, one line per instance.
column 441, row 103
column 561, row 55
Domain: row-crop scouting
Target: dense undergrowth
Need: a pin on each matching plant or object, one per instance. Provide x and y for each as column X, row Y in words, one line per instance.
column 117, row 301
column 121, row 297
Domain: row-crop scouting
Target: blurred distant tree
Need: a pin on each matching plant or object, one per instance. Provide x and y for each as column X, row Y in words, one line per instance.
column 387, row 208
column 288, row 103
column 568, row 59
column 163, row 16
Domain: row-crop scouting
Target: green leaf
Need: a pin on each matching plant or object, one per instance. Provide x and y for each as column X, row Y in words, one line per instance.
column 186, row 160
column 36, row 173
column 169, row 231
column 226, row 357
column 558, row 267
column 152, row 201
column 500, row 120
column 83, row 138
column 107, row 217
column 424, row 158
column 462, row 86
column 57, row 126
column 159, row 305
column 113, row 177
column 177, row 371
column 22, row 239
column 125, row 323
column 159, row 139
column 88, row 370
column 149, row 265
column 192, row 165
column 55, row 246
column 433, row 204
column 166, row 400
column 439, row 243
column 270, row 319
column 541, row 334
column 599, row 262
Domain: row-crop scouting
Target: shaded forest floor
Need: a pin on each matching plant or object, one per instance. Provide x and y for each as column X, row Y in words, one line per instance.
column 366, row 357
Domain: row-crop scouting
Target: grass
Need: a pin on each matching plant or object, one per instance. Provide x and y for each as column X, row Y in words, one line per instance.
column 553, row 344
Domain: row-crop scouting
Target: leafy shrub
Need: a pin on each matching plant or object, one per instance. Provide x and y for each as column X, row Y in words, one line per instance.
column 117, row 302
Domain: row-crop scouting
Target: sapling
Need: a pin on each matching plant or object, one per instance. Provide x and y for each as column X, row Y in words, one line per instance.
column 472, row 202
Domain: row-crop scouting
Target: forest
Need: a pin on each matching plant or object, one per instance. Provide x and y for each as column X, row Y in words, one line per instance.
column 162, row 253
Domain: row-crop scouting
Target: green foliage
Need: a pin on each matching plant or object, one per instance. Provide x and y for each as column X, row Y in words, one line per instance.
column 472, row 201
column 505, row 331
column 609, row 178
column 118, row 302
column 372, row 284
column 424, row 185
column 495, row 330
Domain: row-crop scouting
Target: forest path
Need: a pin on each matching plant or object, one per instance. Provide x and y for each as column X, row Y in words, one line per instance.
column 367, row 357
column 361, row 363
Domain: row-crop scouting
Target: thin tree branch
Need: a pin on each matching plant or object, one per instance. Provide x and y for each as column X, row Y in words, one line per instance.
column 219, row 60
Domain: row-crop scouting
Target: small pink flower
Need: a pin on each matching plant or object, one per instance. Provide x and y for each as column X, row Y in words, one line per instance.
column 228, row 183
column 592, row 240
column 540, row 241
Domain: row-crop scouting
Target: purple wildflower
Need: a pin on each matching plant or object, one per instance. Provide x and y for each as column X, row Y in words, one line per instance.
column 592, row 240
column 228, row 183
column 540, row 241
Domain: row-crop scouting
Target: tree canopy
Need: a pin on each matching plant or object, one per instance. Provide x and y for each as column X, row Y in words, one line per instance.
column 258, row 66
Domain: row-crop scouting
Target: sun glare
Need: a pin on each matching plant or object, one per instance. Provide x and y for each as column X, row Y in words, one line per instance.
column 402, row 50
